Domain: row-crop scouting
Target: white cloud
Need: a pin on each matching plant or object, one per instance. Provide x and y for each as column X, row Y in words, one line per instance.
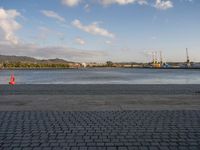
column 71, row 3
column 186, row 0
column 142, row 2
column 52, row 14
column 80, row 41
column 87, row 8
column 108, row 42
column 163, row 4
column 159, row 4
column 45, row 33
column 92, row 29
column 122, row 2
column 8, row 24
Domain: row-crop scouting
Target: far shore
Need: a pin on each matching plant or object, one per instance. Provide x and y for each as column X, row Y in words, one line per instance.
column 54, row 68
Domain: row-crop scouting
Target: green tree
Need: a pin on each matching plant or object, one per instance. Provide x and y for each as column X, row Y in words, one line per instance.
column 109, row 63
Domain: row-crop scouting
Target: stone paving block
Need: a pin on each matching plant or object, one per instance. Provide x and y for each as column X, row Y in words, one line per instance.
column 137, row 130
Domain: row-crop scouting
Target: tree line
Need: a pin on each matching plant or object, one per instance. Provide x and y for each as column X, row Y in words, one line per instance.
column 34, row 65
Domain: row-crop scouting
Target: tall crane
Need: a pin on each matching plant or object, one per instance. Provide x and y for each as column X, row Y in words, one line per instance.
column 188, row 59
column 161, row 59
column 153, row 57
column 156, row 61
column 156, row 57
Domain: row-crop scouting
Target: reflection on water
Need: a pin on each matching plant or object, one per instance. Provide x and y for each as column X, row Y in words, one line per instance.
column 103, row 76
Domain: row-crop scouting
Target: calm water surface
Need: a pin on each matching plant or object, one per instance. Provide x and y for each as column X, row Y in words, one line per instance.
column 103, row 76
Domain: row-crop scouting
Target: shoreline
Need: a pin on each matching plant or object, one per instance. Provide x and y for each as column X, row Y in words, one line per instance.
column 51, row 68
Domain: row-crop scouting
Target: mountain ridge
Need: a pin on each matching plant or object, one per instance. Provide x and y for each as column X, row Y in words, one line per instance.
column 26, row 59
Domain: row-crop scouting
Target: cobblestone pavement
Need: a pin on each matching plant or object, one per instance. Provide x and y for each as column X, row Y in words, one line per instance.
column 122, row 130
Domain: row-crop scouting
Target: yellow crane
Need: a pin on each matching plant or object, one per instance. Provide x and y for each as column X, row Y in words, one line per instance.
column 155, row 62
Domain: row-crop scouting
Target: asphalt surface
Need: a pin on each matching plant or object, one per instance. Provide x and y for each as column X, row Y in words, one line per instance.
column 99, row 97
column 98, row 89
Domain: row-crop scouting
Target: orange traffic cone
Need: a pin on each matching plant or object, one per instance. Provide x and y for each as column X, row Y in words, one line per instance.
column 12, row 80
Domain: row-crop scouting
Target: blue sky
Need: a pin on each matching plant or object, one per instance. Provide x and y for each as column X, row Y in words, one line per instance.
column 100, row 30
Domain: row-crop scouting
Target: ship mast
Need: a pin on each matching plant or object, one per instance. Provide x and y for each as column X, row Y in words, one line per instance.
column 161, row 59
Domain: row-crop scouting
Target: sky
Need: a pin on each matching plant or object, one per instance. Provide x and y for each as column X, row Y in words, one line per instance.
column 100, row 30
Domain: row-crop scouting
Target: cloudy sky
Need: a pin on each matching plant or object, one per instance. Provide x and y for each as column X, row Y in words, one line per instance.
column 100, row 30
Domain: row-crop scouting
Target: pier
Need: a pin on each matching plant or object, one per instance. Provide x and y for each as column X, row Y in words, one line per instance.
column 118, row 117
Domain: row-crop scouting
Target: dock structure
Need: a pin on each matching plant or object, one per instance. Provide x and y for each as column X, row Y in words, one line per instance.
column 1, row 65
column 100, row 117
column 188, row 63
column 157, row 62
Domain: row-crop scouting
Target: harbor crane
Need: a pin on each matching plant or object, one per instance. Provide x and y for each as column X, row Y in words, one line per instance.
column 188, row 64
column 157, row 62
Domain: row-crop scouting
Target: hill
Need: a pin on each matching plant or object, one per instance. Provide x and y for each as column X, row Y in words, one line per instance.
column 30, row 62
column 25, row 59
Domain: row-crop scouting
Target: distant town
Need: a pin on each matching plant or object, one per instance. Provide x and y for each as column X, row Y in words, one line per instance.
column 23, row 62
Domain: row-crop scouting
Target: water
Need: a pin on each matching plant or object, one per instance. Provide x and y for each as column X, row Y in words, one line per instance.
column 103, row 76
